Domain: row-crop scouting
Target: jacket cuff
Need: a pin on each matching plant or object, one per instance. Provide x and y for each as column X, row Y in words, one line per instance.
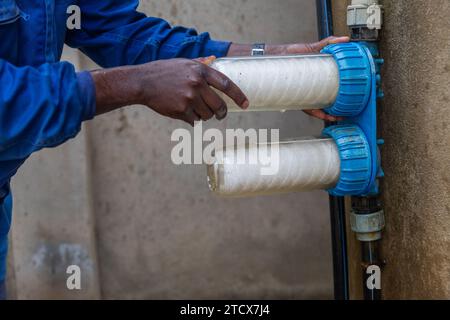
column 216, row 48
column 86, row 88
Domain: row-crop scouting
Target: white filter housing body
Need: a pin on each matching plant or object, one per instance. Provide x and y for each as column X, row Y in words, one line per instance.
column 280, row 83
column 306, row 165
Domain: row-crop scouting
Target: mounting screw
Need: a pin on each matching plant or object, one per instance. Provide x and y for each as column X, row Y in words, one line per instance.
column 378, row 79
column 380, row 94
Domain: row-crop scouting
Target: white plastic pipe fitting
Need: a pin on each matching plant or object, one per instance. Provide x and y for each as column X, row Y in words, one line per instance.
column 365, row 13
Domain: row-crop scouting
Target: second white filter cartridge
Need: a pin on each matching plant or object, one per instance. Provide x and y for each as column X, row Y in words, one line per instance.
column 279, row 83
column 295, row 166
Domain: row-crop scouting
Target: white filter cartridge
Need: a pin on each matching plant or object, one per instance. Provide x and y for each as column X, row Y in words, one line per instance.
column 293, row 166
column 279, row 83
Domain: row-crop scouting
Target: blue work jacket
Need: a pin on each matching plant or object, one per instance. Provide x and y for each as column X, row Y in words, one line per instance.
column 43, row 101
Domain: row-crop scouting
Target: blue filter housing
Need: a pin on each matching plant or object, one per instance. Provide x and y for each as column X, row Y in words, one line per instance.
column 355, row 79
column 356, row 136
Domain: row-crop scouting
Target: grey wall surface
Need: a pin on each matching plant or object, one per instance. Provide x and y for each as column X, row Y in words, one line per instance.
column 415, row 122
column 149, row 229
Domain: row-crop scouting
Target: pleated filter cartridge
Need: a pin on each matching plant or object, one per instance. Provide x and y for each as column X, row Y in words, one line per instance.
column 342, row 81
column 291, row 166
column 279, row 83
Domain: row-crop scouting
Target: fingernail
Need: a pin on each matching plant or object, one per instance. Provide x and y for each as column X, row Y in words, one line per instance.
column 245, row 105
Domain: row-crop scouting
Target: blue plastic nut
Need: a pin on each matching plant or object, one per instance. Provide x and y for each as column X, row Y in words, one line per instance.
column 355, row 82
column 356, row 160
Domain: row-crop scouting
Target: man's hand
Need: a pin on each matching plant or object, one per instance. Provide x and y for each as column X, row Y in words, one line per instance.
column 177, row 88
column 298, row 48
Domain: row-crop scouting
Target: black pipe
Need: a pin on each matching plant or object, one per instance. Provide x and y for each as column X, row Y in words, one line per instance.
column 339, row 246
column 324, row 18
column 370, row 250
column 337, row 204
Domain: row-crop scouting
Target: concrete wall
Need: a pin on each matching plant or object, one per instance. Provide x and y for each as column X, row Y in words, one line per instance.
column 144, row 228
column 416, row 125
column 415, row 122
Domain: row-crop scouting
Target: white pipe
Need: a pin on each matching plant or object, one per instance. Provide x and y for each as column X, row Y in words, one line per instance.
column 303, row 166
column 279, row 83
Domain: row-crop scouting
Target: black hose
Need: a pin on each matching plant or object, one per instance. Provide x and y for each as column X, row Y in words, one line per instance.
column 337, row 204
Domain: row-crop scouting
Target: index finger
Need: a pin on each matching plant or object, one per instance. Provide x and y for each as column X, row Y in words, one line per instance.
column 222, row 83
column 335, row 40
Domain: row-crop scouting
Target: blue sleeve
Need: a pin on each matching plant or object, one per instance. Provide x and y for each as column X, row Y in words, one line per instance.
column 5, row 225
column 113, row 33
column 41, row 107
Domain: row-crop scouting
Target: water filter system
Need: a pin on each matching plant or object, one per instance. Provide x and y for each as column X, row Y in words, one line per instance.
column 343, row 81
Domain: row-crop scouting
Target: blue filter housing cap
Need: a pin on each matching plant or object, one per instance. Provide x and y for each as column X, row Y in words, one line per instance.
column 355, row 78
column 356, row 160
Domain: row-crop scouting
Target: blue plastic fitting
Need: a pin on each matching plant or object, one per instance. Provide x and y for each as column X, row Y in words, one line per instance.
column 356, row 160
column 355, row 75
column 356, row 136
